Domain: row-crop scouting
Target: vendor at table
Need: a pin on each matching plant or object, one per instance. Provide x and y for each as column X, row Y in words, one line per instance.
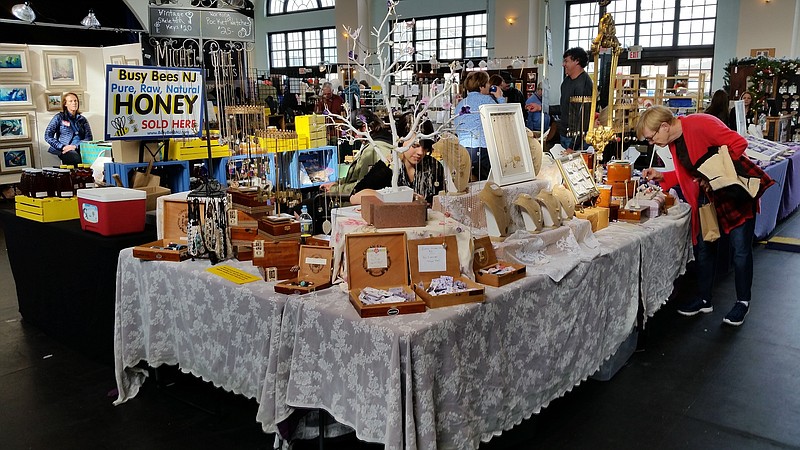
column 67, row 130
column 418, row 169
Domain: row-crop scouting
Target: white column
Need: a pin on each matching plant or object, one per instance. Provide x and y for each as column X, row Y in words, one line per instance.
column 796, row 31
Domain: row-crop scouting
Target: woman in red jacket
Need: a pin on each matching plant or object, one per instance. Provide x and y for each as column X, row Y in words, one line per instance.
column 691, row 139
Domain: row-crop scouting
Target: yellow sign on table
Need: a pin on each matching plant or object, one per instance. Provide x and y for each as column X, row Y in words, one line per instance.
column 238, row 276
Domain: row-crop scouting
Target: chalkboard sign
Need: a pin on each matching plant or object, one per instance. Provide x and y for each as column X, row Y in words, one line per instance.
column 173, row 22
column 226, row 25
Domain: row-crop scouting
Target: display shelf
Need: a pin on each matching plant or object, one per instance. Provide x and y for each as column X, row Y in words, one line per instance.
column 176, row 173
column 312, row 167
column 221, row 168
column 631, row 98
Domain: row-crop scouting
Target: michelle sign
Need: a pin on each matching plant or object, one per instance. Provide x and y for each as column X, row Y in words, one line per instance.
column 153, row 102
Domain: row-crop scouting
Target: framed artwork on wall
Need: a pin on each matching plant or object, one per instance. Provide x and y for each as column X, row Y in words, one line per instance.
column 765, row 52
column 62, row 69
column 132, row 61
column 15, row 95
column 14, row 158
column 118, row 59
column 53, row 101
column 14, row 127
column 14, row 61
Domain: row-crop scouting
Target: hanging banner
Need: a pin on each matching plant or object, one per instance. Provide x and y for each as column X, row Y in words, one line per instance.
column 153, row 102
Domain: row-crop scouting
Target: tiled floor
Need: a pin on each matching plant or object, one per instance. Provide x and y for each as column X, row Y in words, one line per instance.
column 697, row 384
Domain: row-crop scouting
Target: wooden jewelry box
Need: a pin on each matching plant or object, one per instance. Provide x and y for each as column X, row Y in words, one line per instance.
column 316, row 266
column 277, row 258
column 175, row 225
column 394, row 215
column 483, row 256
column 379, row 260
column 434, row 257
column 279, row 230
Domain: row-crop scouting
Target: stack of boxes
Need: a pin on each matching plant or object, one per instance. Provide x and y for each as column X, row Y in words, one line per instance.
column 310, row 131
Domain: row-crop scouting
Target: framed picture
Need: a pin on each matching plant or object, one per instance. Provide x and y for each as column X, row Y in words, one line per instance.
column 132, row 61
column 765, row 52
column 62, row 69
column 14, row 60
column 118, row 59
column 53, row 101
column 14, row 127
column 14, row 158
column 507, row 144
column 14, row 95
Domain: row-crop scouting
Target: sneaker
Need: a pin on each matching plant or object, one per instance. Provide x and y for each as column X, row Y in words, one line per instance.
column 737, row 314
column 696, row 306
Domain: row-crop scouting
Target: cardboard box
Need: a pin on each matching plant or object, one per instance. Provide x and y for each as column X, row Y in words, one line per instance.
column 379, row 260
column 483, row 256
column 126, row 151
column 316, row 267
column 394, row 215
column 48, row 209
column 152, row 194
column 421, row 275
column 112, row 211
column 278, row 259
column 596, row 215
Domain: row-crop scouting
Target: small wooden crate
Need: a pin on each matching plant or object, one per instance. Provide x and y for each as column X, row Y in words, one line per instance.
column 393, row 215
column 175, row 223
column 49, row 209
column 157, row 251
column 631, row 215
column 281, row 228
column 360, row 274
column 596, row 215
column 474, row 292
column 195, row 148
column 483, row 256
column 316, row 267
column 279, row 259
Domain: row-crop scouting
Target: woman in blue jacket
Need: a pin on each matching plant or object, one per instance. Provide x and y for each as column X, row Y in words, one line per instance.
column 67, row 130
column 468, row 121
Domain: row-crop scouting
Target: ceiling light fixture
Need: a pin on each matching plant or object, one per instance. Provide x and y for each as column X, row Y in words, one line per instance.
column 23, row 12
column 90, row 21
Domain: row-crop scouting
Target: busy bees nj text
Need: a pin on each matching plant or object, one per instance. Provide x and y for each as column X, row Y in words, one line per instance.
column 153, row 102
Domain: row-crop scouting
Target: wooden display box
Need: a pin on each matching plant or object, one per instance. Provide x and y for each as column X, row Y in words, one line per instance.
column 243, row 252
column 474, row 292
column 316, row 267
column 243, row 228
column 364, row 271
column 247, row 198
column 393, row 215
column 49, row 209
column 157, row 251
column 484, row 256
column 631, row 215
column 279, row 259
column 280, row 228
column 596, row 215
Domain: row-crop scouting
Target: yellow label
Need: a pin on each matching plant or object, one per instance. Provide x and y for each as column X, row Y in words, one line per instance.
column 238, row 276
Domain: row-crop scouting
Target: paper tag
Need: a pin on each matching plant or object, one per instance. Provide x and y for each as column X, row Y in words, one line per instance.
column 377, row 258
column 233, row 218
column 432, row 258
column 316, row 261
column 238, row 276
column 258, row 249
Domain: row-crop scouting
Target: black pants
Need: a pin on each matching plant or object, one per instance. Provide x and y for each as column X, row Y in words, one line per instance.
column 71, row 158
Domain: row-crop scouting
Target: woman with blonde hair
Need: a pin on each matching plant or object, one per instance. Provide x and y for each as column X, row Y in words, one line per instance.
column 694, row 141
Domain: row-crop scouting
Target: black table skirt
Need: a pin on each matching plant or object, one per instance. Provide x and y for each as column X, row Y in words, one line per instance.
column 66, row 279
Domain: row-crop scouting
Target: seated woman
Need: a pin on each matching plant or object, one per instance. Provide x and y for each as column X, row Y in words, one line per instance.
column 418, row 170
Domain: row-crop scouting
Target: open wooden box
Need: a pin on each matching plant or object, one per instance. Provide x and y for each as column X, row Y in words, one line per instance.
column 483, row 256
column 316, row 266
column 421, row 254
column 277, row 258
column 379, row 260
column 175, row 226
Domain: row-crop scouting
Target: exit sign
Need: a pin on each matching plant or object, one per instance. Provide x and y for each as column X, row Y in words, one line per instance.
column 635, row 54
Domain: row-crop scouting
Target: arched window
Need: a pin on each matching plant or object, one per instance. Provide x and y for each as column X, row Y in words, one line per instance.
column 290, row 6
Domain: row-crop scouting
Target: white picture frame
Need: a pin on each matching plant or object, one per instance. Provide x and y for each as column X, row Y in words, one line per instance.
column 118, row 60
column 14, row 95
column 14, row 61
column 14, row 158
column 507, row 144
column 62, row 70
column 15, row 127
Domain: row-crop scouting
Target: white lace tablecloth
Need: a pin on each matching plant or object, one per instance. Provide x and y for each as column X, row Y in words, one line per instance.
column 451, row 377
column 177, row 313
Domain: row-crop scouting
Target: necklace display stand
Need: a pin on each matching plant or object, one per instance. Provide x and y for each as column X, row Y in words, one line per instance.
column 536, row 152
column 567, row 201
column 551, row 211
column 456, row 162
column 531, row 213
column 494, row 201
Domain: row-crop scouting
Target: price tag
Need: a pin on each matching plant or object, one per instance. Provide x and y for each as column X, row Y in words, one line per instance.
column 233, row 217
column 258, row 249
column 233, row 274
column 377, row 258
column 432, row 258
